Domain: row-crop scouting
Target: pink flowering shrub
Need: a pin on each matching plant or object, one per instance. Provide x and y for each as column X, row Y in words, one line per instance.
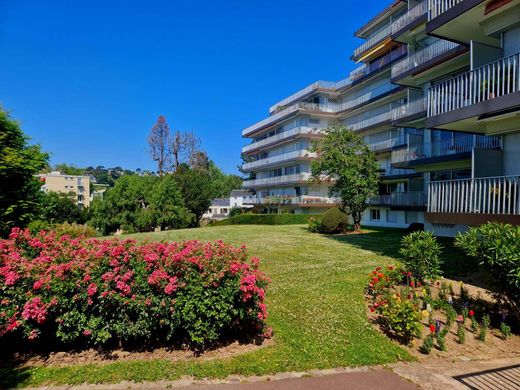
column 99, row 293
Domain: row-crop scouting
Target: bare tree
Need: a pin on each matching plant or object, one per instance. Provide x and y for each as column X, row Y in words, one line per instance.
column 184, row 147
column 159, row 143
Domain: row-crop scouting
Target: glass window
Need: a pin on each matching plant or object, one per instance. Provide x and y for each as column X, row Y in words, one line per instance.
column 375, row 214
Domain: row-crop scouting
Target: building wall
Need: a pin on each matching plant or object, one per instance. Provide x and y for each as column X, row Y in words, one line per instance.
column 79, row 185
column 511, row 153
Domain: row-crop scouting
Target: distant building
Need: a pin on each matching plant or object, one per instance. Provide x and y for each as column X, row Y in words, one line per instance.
column 218, row 210
column 74, row 184
column 238, row 198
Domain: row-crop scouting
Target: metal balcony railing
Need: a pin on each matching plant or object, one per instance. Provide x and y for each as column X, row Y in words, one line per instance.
column 376, row 38
column 371, row 121
column 489, row 195
column 409, row 17
column 389, row 143
column 294, row 178
column 320, row 84
column 485, row 83
column 438, row 7
column 297, row 154
column 411, row 108
column 410, row 198
column 302, row 130
column 365, row 97
column 445, row 148
column 422, row 56
column 292, row 200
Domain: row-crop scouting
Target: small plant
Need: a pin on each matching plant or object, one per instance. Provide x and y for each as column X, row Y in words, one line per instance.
column 464, row 313
column 505, row 330
column 427, row 345
column 402, row 317
column 314, row 225
column 461, row 333
column 474, row 323
column 484, row 328
column 441, row 339
column 451, row 315
column 421, row 255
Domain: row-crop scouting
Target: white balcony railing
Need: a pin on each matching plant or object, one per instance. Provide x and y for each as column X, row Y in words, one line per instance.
column 365, row 97
column 457, row 145
column 302, row 130
column 411, row 108
column 372, row 121
column 412, row 15
column 438, row 7
column 485, row 83
column 489, row 195
column 389, row 143
column 297, row 154
column 292, row 200
column 376, row 38
column 320, row 84
column 410, row 198
column 285, row 179
column 330, row 108
column 422, row 56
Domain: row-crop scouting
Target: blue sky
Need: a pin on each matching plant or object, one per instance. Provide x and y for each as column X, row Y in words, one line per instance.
column 88, row 79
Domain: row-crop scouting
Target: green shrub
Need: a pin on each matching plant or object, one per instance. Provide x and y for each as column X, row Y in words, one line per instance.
column 266, row 219
column 421, row 251
column 236, row 211
column 314, row 225
column 505, row 330
column 334, row 220
column 401, row 317
column 497, row 247
column 38, row 225
column 461, row 333
column 427, row 345
column 74, row 230
column 441, row 339
column 484, row 328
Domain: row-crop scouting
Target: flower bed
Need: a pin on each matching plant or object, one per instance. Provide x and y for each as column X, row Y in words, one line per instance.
column 85, row 293
column 441, row 313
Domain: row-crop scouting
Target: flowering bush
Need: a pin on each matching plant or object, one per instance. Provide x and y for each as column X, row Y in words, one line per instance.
column 99, row 293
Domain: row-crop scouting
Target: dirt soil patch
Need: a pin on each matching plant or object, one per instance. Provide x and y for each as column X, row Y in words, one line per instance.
column 66, row 358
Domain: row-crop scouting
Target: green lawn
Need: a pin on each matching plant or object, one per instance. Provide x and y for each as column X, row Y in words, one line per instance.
column 315, row 301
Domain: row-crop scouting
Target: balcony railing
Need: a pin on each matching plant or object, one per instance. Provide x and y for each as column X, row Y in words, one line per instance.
column 411, row 108
column 302, row 130
column 410, row 198
column 489, row 195
column 445, row 148
column 388, row 171
column 438, row 7
column 372, row 121
column 411, row 16
column 389, row 143
column 368, row 95
column 422, row 56
column 320, row 84
column 285, row 179
column 488, row 82
column 384, row 33
column 297, row 154
column 292, row 200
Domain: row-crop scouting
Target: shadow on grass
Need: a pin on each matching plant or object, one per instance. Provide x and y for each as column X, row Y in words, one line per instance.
column 12, row 377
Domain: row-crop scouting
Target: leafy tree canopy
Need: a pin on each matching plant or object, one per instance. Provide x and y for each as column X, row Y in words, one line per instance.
column 345, row 159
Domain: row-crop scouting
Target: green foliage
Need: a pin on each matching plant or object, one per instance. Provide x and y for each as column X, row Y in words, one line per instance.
column 421, row 251
column 451, row 314
column 56, row 207
column 74, row 230
column 461, row 333
column 19, row 189
column 197, row 190
column 236, row 211
column 505, row 330
column 427, row 345
column 484, row 326
column 441, row 339
column 38, row 225
column 222, row 184
column 141, row 204
column 497, row 247
column 314, row 225
column 402, row 317
column 334, row 221
column 344, row 157
column 265, row 219
column 67, row 169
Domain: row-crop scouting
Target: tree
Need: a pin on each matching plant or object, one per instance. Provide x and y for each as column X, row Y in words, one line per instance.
column 69, row 169
column 141, row 204
column 184, row 149
column 344, row 158
column 222, row 184
column 56, row 207
column 19, row 188
column 197, row 190
column 159, row 140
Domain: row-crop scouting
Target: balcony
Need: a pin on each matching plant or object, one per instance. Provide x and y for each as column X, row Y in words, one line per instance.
column 410, row 112
column 438, row 7
column 385, row 145
column 287, row 112
column 286, row 135
column 486, row 99
column 285, row 157
column 425, row 58
column 407, row 199
column 367, row 97
column 302, row 201
column 278, row 180
column 372, row 41
column 316, row 86
column 410, row 19
column 474, row 201
column 443, row 150
column 371, row 122
column 389, row 173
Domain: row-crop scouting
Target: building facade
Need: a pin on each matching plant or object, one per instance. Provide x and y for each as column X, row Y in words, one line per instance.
column 438, row 103
column 77, row 186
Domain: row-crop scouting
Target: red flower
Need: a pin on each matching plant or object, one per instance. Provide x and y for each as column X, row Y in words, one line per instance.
column 432, row 328
column 412, row 284
column 372, row 309
column 375, row 279
column 471, row 313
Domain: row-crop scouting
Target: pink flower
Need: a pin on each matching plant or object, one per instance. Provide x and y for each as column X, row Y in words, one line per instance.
column 35, row 309
column 38, row 284
column 87, row 333
column 92, row 289
column 11, row 278
column 172, row 285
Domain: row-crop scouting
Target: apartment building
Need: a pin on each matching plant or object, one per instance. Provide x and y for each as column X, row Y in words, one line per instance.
column 77, row 186
column 437, row 99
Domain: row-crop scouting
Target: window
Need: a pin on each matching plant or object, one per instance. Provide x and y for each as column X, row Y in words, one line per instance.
column 375, row 214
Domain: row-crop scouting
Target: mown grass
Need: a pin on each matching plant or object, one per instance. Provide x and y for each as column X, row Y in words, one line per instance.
column 315, row 301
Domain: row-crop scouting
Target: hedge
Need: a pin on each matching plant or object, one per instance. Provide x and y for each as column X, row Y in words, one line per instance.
column 88, row 292
column 266, row 219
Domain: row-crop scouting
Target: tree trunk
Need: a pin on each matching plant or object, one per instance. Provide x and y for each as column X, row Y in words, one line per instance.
column 356, row 216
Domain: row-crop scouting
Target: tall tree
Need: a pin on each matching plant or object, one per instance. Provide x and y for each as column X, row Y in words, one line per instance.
column 19, row 162
column 184, row 147
column 159, row 141
column 60, row 207
column 344, row 158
